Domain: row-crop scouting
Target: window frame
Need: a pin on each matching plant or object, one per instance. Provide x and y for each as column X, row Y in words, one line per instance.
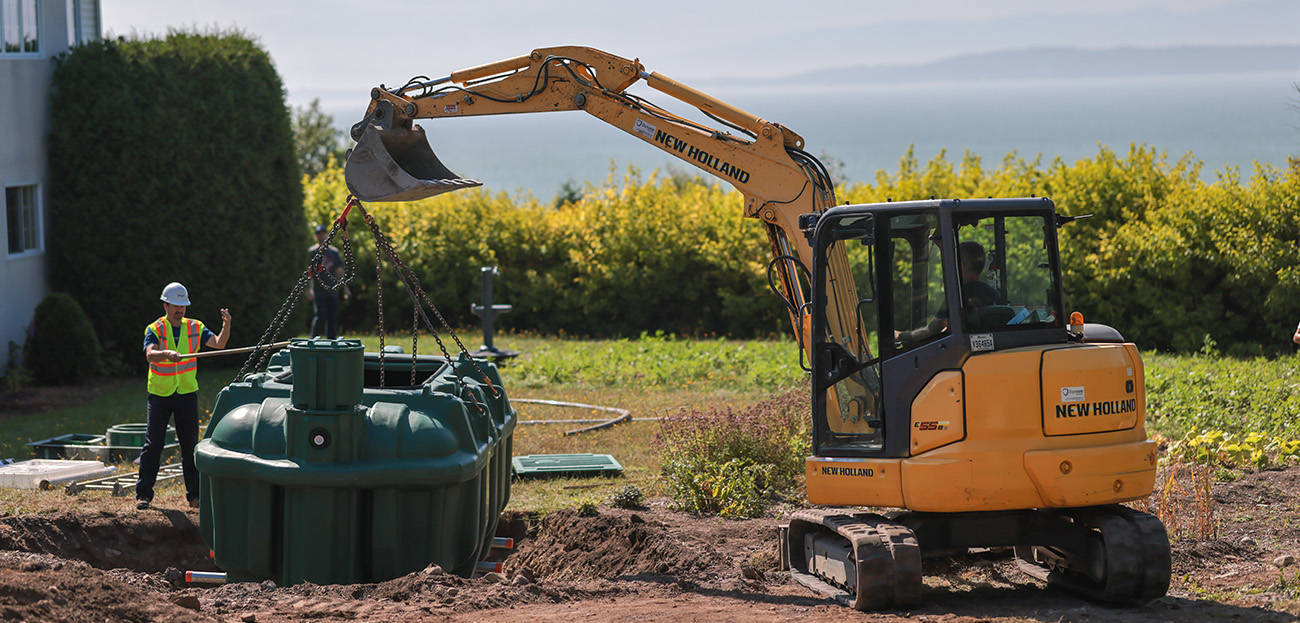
column 1054, row 270
column 40, row 19
column 37, row 218
column 77, row 28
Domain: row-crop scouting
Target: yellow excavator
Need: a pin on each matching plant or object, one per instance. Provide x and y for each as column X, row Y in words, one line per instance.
column 947, row 383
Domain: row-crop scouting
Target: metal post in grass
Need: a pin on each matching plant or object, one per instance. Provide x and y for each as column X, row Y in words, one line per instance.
column 489, row 312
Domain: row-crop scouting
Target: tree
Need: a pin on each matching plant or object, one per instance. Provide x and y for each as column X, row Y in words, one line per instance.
column 315, row 139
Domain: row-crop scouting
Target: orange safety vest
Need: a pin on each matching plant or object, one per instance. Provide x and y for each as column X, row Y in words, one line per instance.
column 182, row 377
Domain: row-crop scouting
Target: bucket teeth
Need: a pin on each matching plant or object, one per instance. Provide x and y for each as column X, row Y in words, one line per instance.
column 397, row 164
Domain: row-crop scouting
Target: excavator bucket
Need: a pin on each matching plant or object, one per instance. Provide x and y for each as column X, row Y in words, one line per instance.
column 397, row 164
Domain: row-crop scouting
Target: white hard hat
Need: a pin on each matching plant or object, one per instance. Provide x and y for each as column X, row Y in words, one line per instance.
column 176, row 294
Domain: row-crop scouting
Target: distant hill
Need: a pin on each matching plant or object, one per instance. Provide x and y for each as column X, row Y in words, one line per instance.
column 849, row 38
column 1059, row 62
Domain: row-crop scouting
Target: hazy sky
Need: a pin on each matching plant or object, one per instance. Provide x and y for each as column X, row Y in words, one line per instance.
column 335, row 48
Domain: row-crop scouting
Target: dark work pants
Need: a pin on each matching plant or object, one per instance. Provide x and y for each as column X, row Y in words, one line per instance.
column 326, row 322
column 184, row 408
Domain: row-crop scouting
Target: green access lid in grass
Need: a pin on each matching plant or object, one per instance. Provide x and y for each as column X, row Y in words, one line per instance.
column 534, row 465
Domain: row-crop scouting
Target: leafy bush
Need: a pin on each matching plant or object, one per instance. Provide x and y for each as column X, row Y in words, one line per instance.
column 588, row 508
column 730, row 461
column 641, row 256
column 17, row 376
column 182, row 170
column 63, row 348
column 628, row 497
column 1166, row 258
column 1217, row 448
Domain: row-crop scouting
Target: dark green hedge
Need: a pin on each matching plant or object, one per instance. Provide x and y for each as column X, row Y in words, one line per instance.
column 63, row 348
column 172, row 160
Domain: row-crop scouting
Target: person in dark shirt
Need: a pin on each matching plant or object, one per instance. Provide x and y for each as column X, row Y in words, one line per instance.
column 322, row 293
column 974, row 293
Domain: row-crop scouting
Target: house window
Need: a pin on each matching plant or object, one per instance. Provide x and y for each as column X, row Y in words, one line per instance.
column 83, row 21
column 23, row 217
column 20, row 27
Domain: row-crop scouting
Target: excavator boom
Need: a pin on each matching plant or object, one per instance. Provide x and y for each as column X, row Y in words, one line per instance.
column 765, row 161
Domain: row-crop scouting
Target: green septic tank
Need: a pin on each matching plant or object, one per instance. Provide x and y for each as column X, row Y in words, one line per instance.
column 312, row 472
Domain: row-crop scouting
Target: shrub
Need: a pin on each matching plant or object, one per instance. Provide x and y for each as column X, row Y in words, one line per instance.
column 17, row 376
column 628, row 497
column 182, row 170
column 623, row 258
column 63, row 348
column 588, row 508
column 731, row 461
column 1167, row 258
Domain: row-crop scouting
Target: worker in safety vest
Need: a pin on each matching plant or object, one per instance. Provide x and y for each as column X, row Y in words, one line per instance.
column 174, row 388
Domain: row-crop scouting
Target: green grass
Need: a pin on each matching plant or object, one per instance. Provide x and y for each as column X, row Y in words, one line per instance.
column 115, row 401
column 1190, row 394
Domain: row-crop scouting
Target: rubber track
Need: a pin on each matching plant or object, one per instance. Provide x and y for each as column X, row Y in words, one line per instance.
column 888, row 558
column 1137, row 557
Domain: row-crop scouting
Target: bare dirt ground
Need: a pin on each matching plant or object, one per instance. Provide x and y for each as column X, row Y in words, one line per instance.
column 100, row 562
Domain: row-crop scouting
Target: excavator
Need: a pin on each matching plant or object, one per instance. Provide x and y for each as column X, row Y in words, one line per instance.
column 953, row 405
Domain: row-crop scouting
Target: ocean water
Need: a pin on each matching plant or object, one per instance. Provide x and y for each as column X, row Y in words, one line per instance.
column 1224, row 120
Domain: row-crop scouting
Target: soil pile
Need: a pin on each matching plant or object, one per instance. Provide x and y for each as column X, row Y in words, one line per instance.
column 41, row 587
column 149, row 541
column 567, row 546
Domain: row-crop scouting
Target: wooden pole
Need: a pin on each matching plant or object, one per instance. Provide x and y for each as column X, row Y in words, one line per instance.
column 234, row 351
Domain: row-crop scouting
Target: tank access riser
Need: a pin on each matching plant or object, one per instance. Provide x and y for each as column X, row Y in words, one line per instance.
column 1111, row 554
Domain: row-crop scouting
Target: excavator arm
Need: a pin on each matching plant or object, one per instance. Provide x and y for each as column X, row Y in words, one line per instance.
column 763, row 160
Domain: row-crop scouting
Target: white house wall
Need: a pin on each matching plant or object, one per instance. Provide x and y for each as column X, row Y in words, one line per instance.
column 24, row 120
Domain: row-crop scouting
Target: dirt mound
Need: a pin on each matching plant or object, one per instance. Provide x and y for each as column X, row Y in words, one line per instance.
column 567, row 546
column 41, row 587
column 148, row 541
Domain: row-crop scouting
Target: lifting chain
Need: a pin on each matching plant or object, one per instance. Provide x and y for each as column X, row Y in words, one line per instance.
column 415, row 339
column 383, row 248
column 379, row 293
column 384, row 244
column 349, row 261
column 258, row 357
column 413, row 289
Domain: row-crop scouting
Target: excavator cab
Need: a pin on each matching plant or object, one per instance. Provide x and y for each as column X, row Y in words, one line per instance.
column 393, row 161
column 993, row 261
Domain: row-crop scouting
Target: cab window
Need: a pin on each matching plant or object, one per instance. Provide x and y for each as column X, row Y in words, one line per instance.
column 920, row 309
column 1006, row 274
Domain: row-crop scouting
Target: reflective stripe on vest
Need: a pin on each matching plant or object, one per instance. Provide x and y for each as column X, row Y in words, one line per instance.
column 166, row 378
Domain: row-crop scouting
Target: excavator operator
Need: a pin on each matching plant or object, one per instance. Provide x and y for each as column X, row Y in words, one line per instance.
column 974, row 292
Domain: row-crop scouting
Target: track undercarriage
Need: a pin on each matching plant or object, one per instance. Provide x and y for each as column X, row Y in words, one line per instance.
column 1111, row 554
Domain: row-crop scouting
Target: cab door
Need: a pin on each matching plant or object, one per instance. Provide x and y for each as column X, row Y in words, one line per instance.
column 846, row 334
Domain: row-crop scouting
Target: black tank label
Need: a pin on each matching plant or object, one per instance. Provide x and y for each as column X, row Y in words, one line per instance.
column 1104, row 407
column 865, row 472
